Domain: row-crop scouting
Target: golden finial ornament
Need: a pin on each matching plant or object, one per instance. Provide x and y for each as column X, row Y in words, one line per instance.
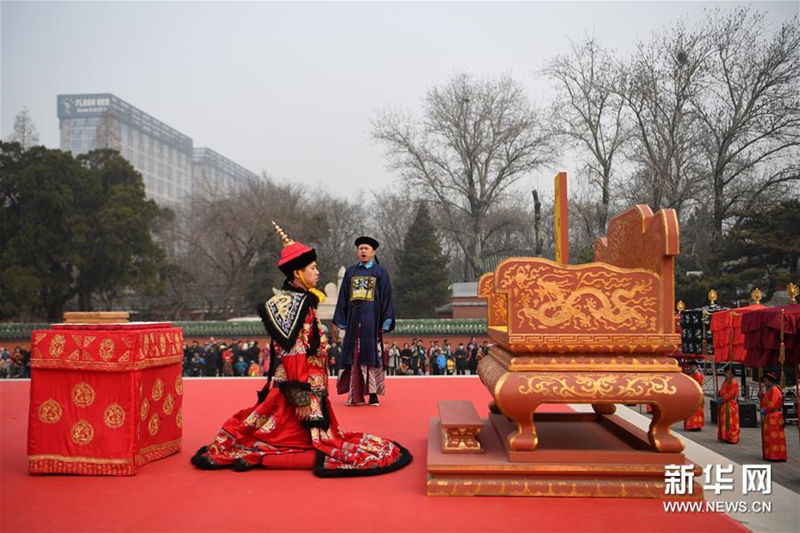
column 680, row 306
column 285, row 238
column 755, row 295
column 712, row 297
column 794, row 292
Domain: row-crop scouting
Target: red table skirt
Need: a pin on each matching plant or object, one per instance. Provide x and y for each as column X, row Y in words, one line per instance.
column 105, row 400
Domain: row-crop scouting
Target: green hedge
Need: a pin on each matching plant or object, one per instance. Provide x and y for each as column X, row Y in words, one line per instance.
column 225, row 329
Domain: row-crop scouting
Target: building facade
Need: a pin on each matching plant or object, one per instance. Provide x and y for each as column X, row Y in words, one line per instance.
column 464, row 303
column 164, row 156
column 216, row 173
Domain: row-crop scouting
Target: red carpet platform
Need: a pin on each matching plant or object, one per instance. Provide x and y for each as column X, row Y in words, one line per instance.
column 171, row 495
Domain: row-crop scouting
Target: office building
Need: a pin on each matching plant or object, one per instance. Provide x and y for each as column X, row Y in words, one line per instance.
column 163, row 155
column 218, row 174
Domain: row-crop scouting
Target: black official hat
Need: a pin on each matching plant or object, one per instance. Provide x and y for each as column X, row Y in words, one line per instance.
column 368, row 241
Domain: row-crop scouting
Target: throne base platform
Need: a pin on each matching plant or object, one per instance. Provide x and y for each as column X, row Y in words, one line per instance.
column 579, row 455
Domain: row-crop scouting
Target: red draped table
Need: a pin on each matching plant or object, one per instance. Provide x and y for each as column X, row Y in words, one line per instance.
column 105, row 398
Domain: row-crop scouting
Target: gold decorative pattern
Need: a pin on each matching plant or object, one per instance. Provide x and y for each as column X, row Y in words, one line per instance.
column 500, row 308
column 179, row 384
column 122, row 364
column 57, row 344
column 793, row 291
column 83, row 394
column 596, row 386
column 264, row 423
column 712, row 297
column 106, row 349
column 680, row 306
column 461, row 440
column 82, row 432
column 169, row 404
column 157, row 451
column 114, row 416
column 583, row 343
column 179, row 417
column 522, row 362
column 153, row 424
column 158, row 389
column 534, row 486
column 144, row 409
column 553, row 298
column 50, row 411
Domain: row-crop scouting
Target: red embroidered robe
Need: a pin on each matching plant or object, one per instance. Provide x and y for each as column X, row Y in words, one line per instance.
column 728, row 412
column 270, row 434
column 773, row 435
column 697, row 420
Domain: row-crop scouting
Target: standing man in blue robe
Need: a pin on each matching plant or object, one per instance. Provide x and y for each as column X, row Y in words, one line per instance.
column 365, row 310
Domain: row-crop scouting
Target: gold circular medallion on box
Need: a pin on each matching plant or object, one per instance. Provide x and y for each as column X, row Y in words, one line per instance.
column 57, row 346
column 179, row 384
column 143, row 410
column 106, row 349
column 153, row 424
column 82, row 394
column 82, row 433
column 50, row 411
column 169, row 404
column 114, row 416
column 179, row 417
column 158, row 389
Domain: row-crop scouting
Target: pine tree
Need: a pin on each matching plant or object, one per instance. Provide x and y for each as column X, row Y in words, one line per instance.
column 422, row 277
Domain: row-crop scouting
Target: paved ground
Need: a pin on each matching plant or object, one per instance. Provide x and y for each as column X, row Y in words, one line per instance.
column 748, row 450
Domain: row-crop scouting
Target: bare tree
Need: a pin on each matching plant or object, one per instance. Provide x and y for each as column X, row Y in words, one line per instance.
column 224, row 237
column 476, row 139
column 392, row 212
column 590, row 113
column 24, row 130
column 343, row 221
column 750, row 109
column 659, row 85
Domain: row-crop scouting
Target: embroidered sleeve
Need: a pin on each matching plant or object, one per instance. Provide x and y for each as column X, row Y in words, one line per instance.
column 297, row 393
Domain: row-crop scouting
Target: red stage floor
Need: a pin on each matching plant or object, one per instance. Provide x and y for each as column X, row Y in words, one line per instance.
column 171, row 495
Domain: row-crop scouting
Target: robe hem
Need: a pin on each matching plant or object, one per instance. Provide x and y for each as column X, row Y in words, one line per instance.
column 320, row 470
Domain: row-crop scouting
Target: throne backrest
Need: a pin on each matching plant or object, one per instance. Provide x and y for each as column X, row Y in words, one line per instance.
column 627, row 293
column 637, row 238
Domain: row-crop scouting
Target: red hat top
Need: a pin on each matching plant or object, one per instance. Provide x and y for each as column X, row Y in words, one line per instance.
column 295, row 255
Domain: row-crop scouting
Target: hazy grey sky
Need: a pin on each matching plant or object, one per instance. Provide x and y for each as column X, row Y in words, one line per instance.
column 290, row 88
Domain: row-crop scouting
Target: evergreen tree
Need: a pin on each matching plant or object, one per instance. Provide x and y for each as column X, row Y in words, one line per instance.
column 762, row 251
column 422, row 277
column 71, row 226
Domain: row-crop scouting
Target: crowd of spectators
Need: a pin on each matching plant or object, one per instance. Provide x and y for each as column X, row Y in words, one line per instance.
column 15, row 364
column 234, row 358
column 416, row 359
column 247, row 358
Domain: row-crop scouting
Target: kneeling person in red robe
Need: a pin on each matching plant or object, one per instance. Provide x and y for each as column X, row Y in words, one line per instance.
column 293, row 424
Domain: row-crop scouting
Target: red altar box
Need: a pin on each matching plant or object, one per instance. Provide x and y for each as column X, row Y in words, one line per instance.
column 105, row 398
